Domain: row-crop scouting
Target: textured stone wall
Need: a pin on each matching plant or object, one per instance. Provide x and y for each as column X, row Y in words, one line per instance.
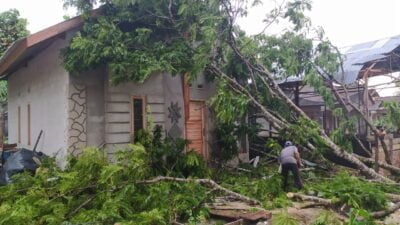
column 77, row 117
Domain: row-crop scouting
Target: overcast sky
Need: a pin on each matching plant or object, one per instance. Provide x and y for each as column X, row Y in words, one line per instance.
column 346, row 22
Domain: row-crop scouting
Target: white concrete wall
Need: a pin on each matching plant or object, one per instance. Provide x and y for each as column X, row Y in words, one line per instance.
column 43, row 84
column 118, row 109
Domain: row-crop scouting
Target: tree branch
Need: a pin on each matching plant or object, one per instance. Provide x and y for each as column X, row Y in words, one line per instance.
column 208, row 182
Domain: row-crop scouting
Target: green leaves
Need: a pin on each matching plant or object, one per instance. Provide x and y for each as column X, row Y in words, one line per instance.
column 135, row 39
column 353, row 192
column 228, row 104
column 12, row 28
column 391, row 120
column 92, row 190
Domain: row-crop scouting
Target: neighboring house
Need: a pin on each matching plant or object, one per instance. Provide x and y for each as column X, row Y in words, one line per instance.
column 314, row 106
column 75, row 111
column 378, row 110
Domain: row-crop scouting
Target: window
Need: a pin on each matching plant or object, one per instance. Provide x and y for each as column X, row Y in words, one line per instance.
column 138, row 114
column 19, row 124
column 29, row 123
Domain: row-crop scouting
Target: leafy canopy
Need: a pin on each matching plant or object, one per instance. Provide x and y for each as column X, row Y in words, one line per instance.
column 12, row 28
column 137, row 38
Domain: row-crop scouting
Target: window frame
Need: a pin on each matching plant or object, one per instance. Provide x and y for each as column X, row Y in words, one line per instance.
column 133, row 98
column 29, row 123
column 19, row 124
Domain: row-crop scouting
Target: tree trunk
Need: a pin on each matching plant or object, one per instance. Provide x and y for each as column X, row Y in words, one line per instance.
column 278, row 124
column 383, row 165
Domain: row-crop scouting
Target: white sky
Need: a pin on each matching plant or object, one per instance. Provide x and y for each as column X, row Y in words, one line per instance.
column 346, row 22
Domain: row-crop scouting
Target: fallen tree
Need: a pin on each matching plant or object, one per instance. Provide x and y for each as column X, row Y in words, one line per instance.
column 161, row 33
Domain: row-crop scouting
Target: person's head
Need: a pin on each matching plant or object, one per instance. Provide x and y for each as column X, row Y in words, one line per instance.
column 288, row 143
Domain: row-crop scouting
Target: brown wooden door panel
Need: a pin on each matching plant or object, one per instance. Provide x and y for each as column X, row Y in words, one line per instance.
column 195, row 127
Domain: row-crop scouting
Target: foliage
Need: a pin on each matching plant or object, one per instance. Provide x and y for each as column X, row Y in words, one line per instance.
column 227, row 136
column 273, row 146
column 230, row 106
column 327, row 218
column 167, row 156
column 91, row 190
column 283, row 218
column 3, row 91
column 226, row 144
column 349, row 190
column 342, row 135
column 360, row 217
column 391, row 121
column 264, row 184
column 138, row 38
column 302, row 132
column 12, row 28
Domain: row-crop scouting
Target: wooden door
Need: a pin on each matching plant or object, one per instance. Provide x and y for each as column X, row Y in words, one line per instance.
column 195, row 131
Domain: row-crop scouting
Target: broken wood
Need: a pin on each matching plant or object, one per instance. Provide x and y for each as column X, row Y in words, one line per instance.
column 383, row 213
column 242, row 214
column 393, row 197
column 381, row 164
column 237, row 222
column 321, row 201
column 208, row 182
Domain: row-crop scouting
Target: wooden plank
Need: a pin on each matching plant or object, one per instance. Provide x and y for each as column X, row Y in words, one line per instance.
column 195, row 127
column 118, row 107
column 118, row 138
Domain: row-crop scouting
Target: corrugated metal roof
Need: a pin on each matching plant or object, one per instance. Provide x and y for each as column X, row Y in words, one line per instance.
column 355, row 57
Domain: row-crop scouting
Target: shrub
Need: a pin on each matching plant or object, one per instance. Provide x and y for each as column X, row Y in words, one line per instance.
column 91, row 190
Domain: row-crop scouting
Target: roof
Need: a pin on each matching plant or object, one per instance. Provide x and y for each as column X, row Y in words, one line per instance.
column 25, row 48
column 356, row 57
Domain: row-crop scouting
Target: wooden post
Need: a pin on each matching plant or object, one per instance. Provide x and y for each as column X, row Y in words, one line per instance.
column 376, row 154
column 1, row 136
column 297, row 94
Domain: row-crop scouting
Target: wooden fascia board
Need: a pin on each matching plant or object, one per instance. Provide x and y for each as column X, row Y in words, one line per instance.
column 36, row 38
column 53, row 31
column 14, row 55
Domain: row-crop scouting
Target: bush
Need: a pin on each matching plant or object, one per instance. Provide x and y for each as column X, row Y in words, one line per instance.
column 91, row 190
column 167, row 156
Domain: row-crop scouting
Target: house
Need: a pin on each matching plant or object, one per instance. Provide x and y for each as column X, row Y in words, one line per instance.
column 361, row 62
column 79, row 110
column 314, row 106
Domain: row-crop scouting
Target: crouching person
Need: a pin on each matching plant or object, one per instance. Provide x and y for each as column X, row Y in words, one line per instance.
column 290, row 161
